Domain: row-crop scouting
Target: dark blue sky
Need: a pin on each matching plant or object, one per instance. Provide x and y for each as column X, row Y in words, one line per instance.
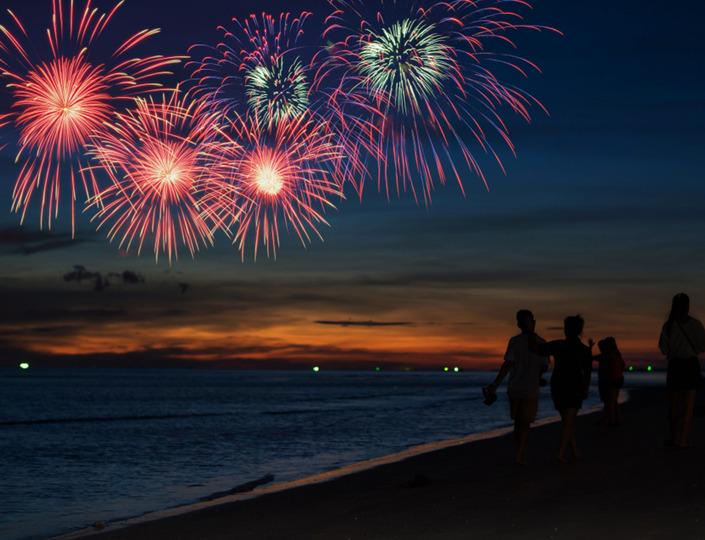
column 600, row 214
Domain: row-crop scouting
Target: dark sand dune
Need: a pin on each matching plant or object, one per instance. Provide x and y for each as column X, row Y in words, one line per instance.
column 627, row 486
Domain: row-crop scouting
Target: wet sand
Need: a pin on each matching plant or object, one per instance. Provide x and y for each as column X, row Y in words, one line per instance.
column 627, row 485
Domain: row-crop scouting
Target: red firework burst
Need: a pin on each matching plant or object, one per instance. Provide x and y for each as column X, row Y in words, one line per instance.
column 61, row 100
column 282, row 178
column 164, row 185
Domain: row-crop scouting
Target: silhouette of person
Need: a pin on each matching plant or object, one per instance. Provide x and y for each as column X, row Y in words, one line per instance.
column 524, row 369
column 610, row 378
column 682, row 340
column 570, row 379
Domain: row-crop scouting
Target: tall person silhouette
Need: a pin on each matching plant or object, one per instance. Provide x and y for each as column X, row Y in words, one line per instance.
column 524, row 369
column 682, row 340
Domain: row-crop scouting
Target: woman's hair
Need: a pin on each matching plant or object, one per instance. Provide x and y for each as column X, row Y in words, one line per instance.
column 680, row 306
column 609, row 346
column 573, row 325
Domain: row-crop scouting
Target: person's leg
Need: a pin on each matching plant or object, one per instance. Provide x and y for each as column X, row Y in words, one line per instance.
column 526, row 415
column 604, row 397
column 567, row 431
column 687, row 418
column 672, row 396
column 612, row 400
column 573, row 442
column 521, row 436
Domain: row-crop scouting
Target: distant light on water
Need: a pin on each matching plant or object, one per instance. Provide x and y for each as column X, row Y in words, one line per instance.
column 378, row 368
column 316, row 369
column 24, row 365
column 649, row 368
column 456, row 369
column 630, row 368
column 446, row 368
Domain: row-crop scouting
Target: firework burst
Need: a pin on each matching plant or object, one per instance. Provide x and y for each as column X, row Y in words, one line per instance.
column 62, row 99
column 282, row 176
column 159, row 157
column 422, row 92
column 256, row 66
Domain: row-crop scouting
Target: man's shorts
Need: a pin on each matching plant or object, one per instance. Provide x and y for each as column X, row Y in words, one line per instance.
column 524, row 408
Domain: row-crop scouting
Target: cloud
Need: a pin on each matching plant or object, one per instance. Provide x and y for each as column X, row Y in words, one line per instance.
column 79, row 274
column 371, row 324
column 128, row 277
column 15, row 240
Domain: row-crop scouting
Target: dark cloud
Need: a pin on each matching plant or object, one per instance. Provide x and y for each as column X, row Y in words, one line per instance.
column 79, row 274
column 128, row 277
column 371, row 324
column 16, row 240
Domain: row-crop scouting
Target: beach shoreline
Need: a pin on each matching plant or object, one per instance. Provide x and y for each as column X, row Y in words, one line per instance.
column 626, row 486
column 418, row 471
column 312, row 479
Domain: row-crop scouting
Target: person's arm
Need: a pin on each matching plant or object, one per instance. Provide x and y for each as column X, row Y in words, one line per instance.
column 599, row 357
column 663, row 341
column 587, row 370
column 700, row 338
column 506, row 366
column 540, row 347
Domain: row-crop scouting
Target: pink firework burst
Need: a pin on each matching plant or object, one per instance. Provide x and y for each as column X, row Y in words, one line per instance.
column 159, row 157
column 421, row 92
column 65, row 97
column 282, row 178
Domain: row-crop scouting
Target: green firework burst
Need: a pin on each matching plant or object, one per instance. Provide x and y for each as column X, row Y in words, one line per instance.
column 408, row 61
column 277, row 91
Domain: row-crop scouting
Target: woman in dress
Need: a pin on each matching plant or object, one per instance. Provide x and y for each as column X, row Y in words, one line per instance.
column 682, row 340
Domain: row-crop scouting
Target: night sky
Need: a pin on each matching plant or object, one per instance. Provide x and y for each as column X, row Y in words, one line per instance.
column 601, row 214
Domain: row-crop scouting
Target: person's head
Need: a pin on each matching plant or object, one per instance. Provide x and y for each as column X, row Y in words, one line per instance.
column 607, row 345
column 573, row 326
column 525, row 320
column 680, row 306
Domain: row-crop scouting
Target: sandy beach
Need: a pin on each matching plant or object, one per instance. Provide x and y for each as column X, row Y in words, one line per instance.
column 627, row 485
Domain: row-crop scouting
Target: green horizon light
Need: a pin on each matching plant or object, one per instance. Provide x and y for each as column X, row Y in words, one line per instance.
column 649, row 368
column 24, row 365
column 630, row 368
column 378, row 368
column 316, row 369
column 446, row 368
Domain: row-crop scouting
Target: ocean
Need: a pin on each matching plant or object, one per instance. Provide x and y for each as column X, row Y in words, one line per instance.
column 79, row 446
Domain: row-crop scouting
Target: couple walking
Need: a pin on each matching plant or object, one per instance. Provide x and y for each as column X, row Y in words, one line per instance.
column 526, row 360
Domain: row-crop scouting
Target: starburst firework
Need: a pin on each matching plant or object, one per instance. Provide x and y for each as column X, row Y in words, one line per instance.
column 62, row 98
column 422, row 91
column 256, row 66
column 159, row 157
column 282, row 176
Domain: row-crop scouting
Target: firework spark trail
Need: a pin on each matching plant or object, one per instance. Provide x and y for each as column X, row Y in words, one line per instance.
column 407, row 88
column 255, row 66
column 159, row 157
column 283, row 177
column 63, row 98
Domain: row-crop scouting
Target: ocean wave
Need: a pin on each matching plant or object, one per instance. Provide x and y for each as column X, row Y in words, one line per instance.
column 80, row 419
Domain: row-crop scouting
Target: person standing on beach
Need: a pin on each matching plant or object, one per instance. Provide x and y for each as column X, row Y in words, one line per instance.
column 524, row 369
column 682, row 340
column 610, row 378
column 570, row 379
